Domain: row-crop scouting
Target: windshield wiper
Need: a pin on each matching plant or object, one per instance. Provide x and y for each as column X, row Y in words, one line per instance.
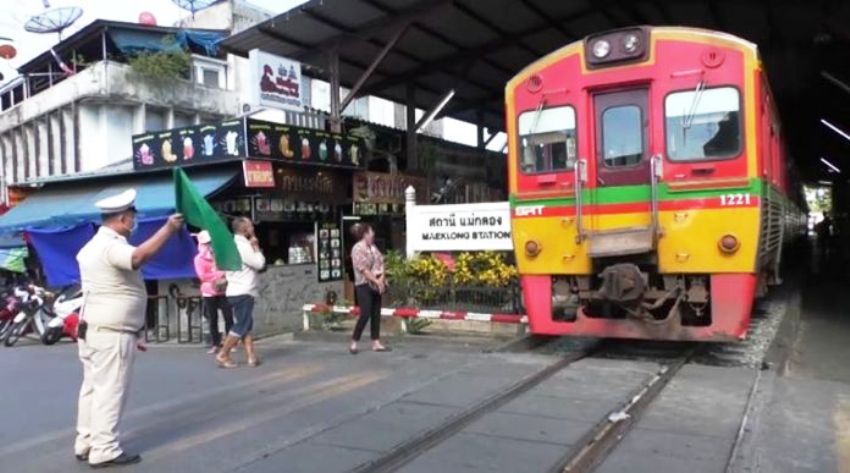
column 688, row 118
column 537, row 114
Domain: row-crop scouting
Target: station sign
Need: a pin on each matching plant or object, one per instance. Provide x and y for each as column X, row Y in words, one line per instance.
column 459, row 227
column 245, row 138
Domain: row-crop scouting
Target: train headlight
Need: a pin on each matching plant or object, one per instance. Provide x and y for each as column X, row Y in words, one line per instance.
column 631, row 43
column 621, row 46
column 532, row 248
column 601, row 49
column 729, row 244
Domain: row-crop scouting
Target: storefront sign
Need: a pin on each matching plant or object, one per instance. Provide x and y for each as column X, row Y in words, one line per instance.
column 366, row 208
column 276, row 81
column 189, row 145
column 272, row 209
column 459, row 227
column 378, row 193
column 308, row 184
column 330, row 252
column 302, row 145
column 258, row 174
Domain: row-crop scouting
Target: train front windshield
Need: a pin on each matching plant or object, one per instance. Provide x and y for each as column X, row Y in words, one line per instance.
column 703, row 124
column 548, row 139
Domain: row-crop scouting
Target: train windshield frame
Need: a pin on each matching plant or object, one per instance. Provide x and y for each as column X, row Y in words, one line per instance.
column 547, row 140
column 703, row 124
column 622, row 135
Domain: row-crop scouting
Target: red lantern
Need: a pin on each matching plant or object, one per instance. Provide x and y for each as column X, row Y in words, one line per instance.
column 7, row 51
column 146, row 18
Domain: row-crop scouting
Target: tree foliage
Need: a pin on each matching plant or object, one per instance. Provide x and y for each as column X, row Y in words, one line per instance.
column 169, row 63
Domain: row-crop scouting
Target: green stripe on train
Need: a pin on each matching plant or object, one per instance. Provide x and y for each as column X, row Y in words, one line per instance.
column 640, row 193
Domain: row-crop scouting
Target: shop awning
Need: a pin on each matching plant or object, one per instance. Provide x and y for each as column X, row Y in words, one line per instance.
column 71, row 203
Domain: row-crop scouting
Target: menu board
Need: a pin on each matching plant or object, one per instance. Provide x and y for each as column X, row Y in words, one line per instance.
column 302, row 145
column 243, row 138
column 189, row 145
column 330, row 252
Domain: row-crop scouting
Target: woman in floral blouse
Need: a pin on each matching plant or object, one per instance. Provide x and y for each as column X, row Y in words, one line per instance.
column 369, row 284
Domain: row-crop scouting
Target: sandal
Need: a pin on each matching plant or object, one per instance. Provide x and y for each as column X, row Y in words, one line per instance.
column 254, row 363
column 228, row 364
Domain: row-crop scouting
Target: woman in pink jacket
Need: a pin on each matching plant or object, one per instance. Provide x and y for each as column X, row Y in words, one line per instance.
column 213, row 284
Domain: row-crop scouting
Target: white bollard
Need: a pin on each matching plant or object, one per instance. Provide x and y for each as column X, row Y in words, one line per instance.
column 409, row 209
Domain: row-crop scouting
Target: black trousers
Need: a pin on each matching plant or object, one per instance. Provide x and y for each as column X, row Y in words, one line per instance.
column 369, row 301
column 211, row 307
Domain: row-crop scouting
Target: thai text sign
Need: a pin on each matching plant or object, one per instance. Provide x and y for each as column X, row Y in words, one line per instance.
column 459, row 227
column 258, row 174
column 276, row 81
column 384, row 188
column 377, row 193
column 309, row 185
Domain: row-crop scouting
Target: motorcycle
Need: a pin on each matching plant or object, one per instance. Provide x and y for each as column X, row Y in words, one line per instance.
column 33, row 316
column 66, row 317
column 10, row 309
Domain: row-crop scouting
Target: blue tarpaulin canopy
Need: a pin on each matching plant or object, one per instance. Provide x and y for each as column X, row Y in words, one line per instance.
column 135, row 41
column 62, row 217
column 71, row 204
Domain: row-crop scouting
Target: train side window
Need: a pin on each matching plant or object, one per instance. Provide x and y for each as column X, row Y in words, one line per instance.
column 547, row 139
column 622, row 135
column 703, row 124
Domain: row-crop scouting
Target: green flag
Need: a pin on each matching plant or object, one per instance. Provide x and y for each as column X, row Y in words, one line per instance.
column 199, row 213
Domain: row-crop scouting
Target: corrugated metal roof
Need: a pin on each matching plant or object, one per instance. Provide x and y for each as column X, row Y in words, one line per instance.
column 476, row 46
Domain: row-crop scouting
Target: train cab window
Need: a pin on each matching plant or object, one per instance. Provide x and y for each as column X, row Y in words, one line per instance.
column 547, row 140
column 622, row 135
column 703, row 124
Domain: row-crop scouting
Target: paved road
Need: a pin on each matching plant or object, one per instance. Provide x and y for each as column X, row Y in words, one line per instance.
column 312, row 407
column 306, row 409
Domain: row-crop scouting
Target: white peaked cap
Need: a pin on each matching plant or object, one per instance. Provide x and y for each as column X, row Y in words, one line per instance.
column 117, row 203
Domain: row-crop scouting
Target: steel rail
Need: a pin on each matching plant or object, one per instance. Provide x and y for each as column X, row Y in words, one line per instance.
column 599, row 442
column 416, row 446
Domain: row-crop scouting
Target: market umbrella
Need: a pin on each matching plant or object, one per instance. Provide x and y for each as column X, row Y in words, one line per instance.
column 199, row 213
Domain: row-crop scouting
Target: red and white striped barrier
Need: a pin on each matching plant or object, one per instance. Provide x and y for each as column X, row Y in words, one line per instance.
column 413, row 313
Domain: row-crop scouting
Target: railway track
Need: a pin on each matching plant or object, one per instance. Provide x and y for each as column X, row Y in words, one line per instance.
column 594, row 446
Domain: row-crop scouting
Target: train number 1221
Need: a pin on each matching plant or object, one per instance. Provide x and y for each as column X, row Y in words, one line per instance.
column 730, row 200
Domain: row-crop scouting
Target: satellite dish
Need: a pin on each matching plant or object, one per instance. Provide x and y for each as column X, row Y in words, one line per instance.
column 194, row 5
column 55, row 20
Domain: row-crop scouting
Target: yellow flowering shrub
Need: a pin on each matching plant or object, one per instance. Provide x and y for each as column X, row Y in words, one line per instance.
column 486, row 268
column 427, row 270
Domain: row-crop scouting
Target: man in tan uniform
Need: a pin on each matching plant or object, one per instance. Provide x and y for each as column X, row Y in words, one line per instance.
column 113, row 316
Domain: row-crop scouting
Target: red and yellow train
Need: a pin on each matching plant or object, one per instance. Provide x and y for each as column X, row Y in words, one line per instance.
column 651, row 194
